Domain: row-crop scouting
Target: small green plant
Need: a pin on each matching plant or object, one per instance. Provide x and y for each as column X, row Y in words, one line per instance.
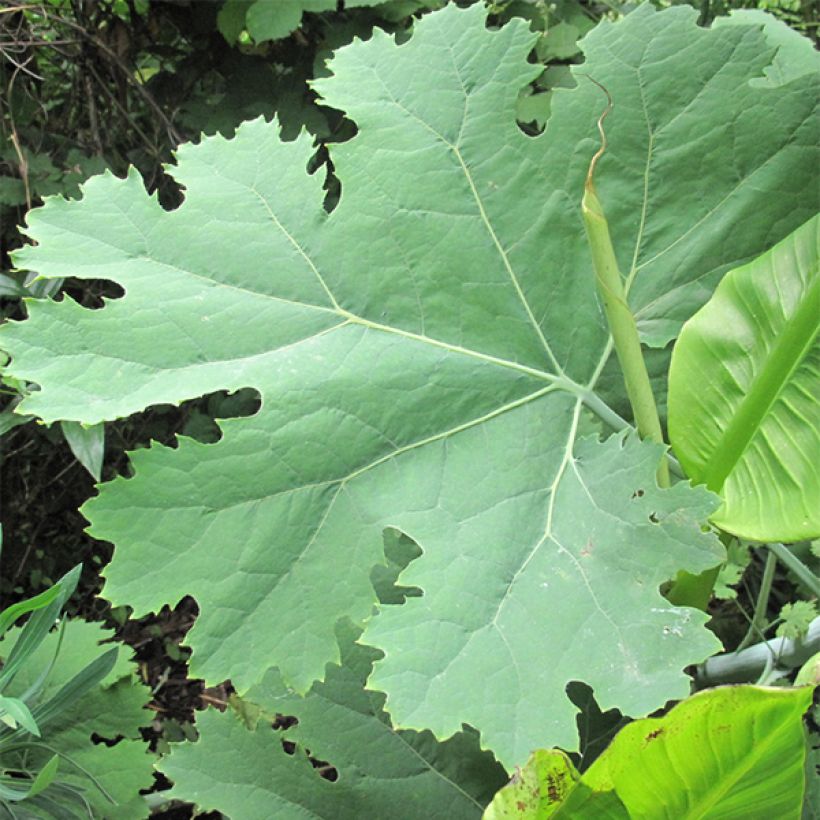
column 53, row 679
column 25, row 717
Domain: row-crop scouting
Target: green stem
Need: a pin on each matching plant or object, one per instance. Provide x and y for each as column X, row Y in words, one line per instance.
column 758, row 623
column 607, row 415
column 748, row 664
column 621, row 321
column 687, row 589
column 790, row 560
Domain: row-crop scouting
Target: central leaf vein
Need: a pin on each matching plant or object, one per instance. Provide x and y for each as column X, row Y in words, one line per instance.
column 485, row 221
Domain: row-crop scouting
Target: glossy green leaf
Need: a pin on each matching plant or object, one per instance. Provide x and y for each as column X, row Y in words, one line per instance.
column 734, row 753
column 427, row 357
column 238, row 765
column 744, row 415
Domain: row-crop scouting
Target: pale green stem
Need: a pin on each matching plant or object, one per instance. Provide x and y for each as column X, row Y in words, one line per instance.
column 758, row 623
column 790, row 560
column 621, row 321
column 749, row 664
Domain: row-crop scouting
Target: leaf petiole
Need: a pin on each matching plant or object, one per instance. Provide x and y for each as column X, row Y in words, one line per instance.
column 621, row 321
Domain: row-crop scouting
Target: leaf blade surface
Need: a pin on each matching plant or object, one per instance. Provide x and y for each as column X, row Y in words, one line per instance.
column 743, row 416
column 425, row 355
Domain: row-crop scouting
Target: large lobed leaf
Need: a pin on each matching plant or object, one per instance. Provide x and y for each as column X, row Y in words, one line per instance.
column 239, row 767
column 426, row 357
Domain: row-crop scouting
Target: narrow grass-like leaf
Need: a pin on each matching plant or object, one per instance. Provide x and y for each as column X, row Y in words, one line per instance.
column 10, row 615
column 19, row 713
column 75, row 688
column 45, row 777
column 38, row 626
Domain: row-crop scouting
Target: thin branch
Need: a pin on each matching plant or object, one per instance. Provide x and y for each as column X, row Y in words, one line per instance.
column 92, row 115
column 12, row 9
column 112, row 97
column 173, row 134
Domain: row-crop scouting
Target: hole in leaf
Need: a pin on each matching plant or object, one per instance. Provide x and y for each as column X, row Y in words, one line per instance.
column 93, row 293
column 325, row 769
column 196, row 418
column 284, row 721
column 99, row 740
column 322, row 767
column 639, row 493
column 399, row 551
column 595, row 727
column 555, row 51
column 654, row 518
column 201, row 423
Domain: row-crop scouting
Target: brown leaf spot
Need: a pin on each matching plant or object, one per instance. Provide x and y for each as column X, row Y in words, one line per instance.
column 554, row 788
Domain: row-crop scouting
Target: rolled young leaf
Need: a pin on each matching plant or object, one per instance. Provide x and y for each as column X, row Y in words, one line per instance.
column 744, row 417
